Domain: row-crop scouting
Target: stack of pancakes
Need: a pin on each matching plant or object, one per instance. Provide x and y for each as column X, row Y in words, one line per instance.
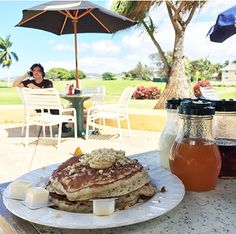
column 105, row 173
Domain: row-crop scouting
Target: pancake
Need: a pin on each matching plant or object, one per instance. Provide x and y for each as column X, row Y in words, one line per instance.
column 105, row 173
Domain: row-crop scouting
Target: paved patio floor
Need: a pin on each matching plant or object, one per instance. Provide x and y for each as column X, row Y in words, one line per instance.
column 16, row 159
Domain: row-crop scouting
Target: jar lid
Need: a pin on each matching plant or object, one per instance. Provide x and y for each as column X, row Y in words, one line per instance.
column 196, row 108
column 224, row 105
column 174, row 103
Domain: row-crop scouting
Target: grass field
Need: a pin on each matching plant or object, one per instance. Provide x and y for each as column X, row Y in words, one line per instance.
column 113, row 91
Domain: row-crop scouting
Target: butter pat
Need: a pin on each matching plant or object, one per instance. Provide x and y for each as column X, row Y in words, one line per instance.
column 18, row 188
column 103, row 206
column 36, row 197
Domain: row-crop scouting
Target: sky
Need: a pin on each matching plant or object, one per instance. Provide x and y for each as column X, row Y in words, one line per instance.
column 98, row 53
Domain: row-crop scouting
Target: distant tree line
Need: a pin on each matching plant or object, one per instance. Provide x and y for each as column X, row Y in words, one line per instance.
column 63, row 74
column 194, row 69
column 140, row 72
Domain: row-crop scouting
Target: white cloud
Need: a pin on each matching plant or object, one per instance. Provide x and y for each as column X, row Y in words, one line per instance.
column 133, row 41
column 109, row 4
column 84, row 46
column 50, row 42
column 63, row 47
column 105, row 47
column 215, row 7
column 100, row 64
column 67, row 64
column 99, row 47
column 70, row 47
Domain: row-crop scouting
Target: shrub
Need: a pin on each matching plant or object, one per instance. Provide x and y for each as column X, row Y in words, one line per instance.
column 147, row 92
column 63, row 74
column 71, row 75
column 108, row 76
column 57, row 73
column 127, row 76
column 201, row 83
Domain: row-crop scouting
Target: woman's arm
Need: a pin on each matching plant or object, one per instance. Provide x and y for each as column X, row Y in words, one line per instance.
column 18, row 81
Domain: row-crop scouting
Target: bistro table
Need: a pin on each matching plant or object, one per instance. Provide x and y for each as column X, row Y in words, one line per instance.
column 205, row 212
column 77, row 102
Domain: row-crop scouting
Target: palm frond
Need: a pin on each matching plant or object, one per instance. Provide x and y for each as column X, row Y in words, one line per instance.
column 8, row 42
column 186, row 6
column 135, row 10
column 15, row 56
column 2, row 44
column 5, row 43
column 5, row 54
column 2, row 56
column 6, row 63
column 151, row 25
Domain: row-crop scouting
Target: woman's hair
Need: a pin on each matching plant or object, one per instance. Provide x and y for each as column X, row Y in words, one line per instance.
column 40, row 67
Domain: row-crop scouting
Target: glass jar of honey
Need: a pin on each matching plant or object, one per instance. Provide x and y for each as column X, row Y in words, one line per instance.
column 194, row 156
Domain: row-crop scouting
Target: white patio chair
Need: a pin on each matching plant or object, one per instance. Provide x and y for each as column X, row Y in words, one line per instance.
column 24, row 114
column 97, row 94
column 46, row 100
column 20, row 91
column 209, row 93
column 118, row 112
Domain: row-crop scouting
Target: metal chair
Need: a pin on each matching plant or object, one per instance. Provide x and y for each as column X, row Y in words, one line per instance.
column 44, row 101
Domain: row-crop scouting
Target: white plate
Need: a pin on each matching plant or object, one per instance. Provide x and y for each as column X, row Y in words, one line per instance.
column 154, row 207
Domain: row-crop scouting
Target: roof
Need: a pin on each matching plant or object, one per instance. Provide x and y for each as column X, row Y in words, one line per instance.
column 231, row 66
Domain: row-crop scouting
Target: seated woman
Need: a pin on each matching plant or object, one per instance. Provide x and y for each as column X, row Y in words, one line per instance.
column 38, row 82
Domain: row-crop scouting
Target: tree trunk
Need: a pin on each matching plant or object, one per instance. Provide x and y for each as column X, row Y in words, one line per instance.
column 178, row 86
column 8, row 78
column 159, row 49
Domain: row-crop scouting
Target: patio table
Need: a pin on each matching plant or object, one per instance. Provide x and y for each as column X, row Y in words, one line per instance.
column 77, row 102
column 205, row 212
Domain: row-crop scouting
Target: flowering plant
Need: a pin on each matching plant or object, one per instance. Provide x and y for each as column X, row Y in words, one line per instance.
column 201, row 83
column 147, row 92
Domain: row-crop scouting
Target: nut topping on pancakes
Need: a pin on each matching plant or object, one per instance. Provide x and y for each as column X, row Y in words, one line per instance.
column 104, row 173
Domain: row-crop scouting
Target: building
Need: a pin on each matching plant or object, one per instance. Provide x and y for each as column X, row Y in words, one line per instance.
column 229, row 72
column 216, row 76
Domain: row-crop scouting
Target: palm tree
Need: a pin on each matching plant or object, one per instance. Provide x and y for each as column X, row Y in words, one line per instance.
column 180, row 14
column 6, row 55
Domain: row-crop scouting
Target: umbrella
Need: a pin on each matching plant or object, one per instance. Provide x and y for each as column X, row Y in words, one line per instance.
column 72, row 17
column 225, row 26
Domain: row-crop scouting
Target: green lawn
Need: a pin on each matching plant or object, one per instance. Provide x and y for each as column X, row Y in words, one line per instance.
column 113, row 91
column 226, row 93
column 113, row 87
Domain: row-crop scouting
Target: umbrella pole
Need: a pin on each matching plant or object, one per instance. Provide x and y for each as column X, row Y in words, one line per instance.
column 76, row 56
